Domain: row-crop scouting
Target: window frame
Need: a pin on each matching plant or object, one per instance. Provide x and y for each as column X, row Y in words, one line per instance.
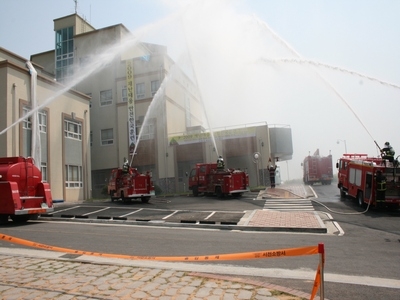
column 155, row 85
column 26, row 123
column 75, row 134
column 109, row 141
column 42, row 120
column 140, row 90
column 43, row 170
column 124, row 94
column 73, row 176
column 105, row 99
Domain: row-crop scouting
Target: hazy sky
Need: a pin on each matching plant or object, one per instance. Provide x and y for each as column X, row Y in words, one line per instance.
column 329, row 69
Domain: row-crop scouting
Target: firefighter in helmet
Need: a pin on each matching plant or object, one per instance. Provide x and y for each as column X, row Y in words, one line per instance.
column 125, row 166
column 380, row 186
column 220, row 162
column 388, row 152
column 272, row 169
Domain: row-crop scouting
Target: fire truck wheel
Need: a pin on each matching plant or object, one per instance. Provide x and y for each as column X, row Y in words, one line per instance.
column 124, row 200
column 342, row 193
column 218, row 192
column 360, row 198
column 112, row 198
column 34, row 217
column 145, row 199
column 3, row 219
column 20, row 219
column 195, row 190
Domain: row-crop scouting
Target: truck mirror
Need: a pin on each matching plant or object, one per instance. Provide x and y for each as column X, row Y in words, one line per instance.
column 186, row 173
column 337, row 165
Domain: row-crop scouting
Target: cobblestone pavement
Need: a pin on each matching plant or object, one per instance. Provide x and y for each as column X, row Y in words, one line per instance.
column 25, row 277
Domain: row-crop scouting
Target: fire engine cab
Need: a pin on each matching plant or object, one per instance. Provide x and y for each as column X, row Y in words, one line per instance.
column 370, row 180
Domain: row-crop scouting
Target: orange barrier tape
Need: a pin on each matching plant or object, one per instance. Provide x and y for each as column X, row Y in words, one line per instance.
column 317, row 282
column 308, row 250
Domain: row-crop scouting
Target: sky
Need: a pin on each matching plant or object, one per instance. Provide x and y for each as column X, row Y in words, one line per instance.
column 328, row 69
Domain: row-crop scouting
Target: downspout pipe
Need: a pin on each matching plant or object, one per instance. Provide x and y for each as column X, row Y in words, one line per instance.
column 36, row 152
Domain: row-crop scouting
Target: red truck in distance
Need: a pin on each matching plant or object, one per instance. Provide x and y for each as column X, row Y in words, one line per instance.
column 317, row 169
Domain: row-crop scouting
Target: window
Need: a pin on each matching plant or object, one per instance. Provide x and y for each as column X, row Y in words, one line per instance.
column 107, row 136
column 64, row 53
column 155, row 84
column 72, row 130
column 124, row 94
column 73, row 176
column 43, row 121
column 27, row 123
column 140, row 90
column 355, row 176
column 43, row 169
column 146, row 132
column 105, row 97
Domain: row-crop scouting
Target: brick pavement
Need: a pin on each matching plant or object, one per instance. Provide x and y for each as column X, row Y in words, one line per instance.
column 25, row 277
column 268, row 218
column 288, row 220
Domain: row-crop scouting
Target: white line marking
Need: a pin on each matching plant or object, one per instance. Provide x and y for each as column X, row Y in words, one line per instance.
column 93, row 212
column 131, row 213
column 166, row 217
column 210, row 215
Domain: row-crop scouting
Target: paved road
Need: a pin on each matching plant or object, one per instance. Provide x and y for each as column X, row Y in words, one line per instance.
column 359, row 263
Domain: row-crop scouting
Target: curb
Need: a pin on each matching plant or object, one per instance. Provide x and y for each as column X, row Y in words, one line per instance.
column 193, row 224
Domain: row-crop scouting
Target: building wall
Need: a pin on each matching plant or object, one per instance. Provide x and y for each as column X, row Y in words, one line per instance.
column 166, row 110
column 80, row 25
column 56, row 151
column 46, row 60
column 175, row 110
column 244, row 147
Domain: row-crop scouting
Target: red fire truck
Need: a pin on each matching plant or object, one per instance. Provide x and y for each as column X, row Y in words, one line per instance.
column 130, row 184
column 209, row 179
column 370, row 180
column 23, row 195
column 317, row 169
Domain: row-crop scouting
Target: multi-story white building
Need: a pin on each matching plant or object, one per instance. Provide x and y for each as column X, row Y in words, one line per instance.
column 141, row 102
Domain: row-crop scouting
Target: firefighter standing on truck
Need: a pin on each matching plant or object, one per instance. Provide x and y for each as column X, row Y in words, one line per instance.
column 220, row 163
column 388, row 152
column 125, row 166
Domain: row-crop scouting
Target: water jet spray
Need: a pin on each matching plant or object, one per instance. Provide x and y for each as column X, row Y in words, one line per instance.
column 325, row 81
